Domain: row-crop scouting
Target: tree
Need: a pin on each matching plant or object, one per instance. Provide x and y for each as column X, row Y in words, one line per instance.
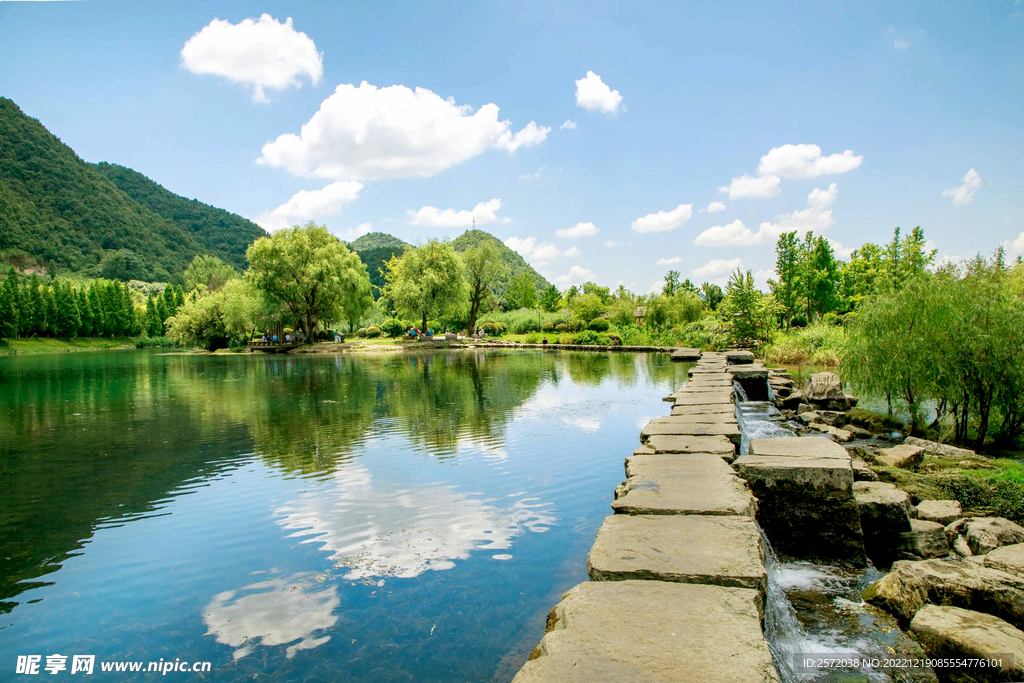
column 551, row 299
column 571, row 294
column 427, row 280
column 521, row 293
column 484, row 268
column 604, row 293
column 787, row 269
column 819, row 275
column 753, row 314
column 711, row 295
column 587, row 307
column 9, row 307
column 671, row 283
column 122, row 264
column 209, row 271
column 356, row 300
column 308, row 271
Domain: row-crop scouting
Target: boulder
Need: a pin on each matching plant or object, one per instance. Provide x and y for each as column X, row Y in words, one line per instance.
column 873, row 422
column 985, row 534
column 861, row 471
column 956, row 633
column 942, row 449
column 808, row 416
column 824, row 386
column 840, row 435
column 858, row 432
column 804, row 408
column 924, row 541
column 941, row 511
column 884, row 517
column 835, row 418
column 789, row 402
column 652, row 632
column 739, row 357
column 909, row 586
column 904, row 456
column 745, row 372
column 1008, row 558
column 959, row 547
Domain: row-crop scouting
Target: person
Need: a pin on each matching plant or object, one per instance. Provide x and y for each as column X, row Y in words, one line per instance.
column 275, row 338
column 430, row 332
column 545, row 340
column 337, row 337
column 287, row 338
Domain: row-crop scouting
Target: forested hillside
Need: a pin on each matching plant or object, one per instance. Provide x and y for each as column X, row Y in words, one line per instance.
column 220, row 232
column 375, row 249
column 515, row 263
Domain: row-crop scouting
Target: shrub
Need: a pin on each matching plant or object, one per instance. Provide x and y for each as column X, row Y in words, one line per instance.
column 798, row 321
column 372, row 332
column 523, row 320
column 502, row 328
column 831, row 318
column 590, row 337
column 361, row 332
column 547, row 327
column 599, row 325
column 561, row 327
column 153, row 342
column 393, row 328
column 576, row 325
column 532, row 338
column 490, row 328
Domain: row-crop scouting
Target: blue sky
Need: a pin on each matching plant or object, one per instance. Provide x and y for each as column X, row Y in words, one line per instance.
column 903, row 101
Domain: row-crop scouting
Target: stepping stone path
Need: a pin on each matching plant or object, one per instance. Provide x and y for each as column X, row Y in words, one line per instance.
column 677, row 574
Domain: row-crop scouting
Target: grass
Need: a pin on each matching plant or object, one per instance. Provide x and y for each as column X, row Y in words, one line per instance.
column 818, row 344
column 36, row 346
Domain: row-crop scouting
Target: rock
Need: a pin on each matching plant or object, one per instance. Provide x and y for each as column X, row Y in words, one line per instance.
column 941, row 511
column 834, row 418
column 808, row 416
column 804, row 408
column 645, row 449
column 900, row 456
column 791, row 402
column 942, row 449
column 680, row 426
column 713, row 409
column 959, row 547
column 873, row 422
column 685, row 484
column 741, row 372
column 858, row 432
column 985, row 534
column 824, row 386
column 739, row 357
column 806, row 504
column 851, row 401
column 686, row 355
column 884, row 517
column 861, row 471
column 955, row 633
column 954, row 529
column 652, row 631
column 924, row 541
column 713, row 550
column 719, row 445
column 911, row 585
column 840, row 435
column 1008, row 558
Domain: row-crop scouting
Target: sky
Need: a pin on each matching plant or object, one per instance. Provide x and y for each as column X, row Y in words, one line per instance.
column 602, row 141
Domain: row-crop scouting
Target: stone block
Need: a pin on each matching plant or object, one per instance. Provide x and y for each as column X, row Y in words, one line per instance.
column 718, row 445
column 1007, row 558
column 941, row 449
column 739, row 357
column 682, row 484
column 884, row 518
column 746, row 372
column 924, row 541
column 652, row 632
column 835, row 418
column 904, row 456
column 955, row 633
column 840, row 435
column 713, row 409
column 685, row 355
column 941, row 511
column 985, row 534
column 713, row 550
column 679, row 426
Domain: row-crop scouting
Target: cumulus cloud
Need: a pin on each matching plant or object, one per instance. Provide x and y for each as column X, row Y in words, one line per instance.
column 714, row 207
column 900, row 44
column 573, row 252
column 577, row 275
column 664, row 220
column 593, row 95
column 841, row 251
column 789, row 162
column 533, row 176
column 569, row 123
column 611, row 244
column 817, row 216
column 311, row 205
column 531, row 250
column 367, row 132
column 260, row 53
column 669, row 261
column 964, row 194
column 1013, row 247
column 716, row 267
column 762, row 277
column 433, row 217
column 578, row 230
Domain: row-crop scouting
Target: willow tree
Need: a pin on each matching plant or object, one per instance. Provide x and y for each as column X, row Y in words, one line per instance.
column 426, row 281
column 309, row 271
column 484, row 268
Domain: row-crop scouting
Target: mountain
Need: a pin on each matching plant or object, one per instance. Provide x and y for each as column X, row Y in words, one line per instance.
column 218, row 231
column 59, row 210
column 375, row 249
column 512, row 260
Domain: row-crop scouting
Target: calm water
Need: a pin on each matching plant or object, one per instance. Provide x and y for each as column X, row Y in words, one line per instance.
column 408, row 518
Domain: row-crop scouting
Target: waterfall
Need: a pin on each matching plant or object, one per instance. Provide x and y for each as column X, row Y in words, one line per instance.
column 782, row 630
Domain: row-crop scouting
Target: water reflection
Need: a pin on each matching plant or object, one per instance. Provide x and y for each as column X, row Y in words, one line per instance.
column 277, row 611
column 378, row 530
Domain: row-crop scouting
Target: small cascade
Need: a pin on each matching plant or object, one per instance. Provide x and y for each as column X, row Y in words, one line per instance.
column 741, row 393
column 758, row 419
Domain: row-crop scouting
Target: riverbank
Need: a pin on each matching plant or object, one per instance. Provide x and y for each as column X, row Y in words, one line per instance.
column 34, row 346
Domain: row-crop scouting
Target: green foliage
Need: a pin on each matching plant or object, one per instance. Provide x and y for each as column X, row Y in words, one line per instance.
column 576, row 325
column 512, row 261
column 588, row 306
column 819, row 344
column 371, row 332
column 521, row 293
column 590, row 337
column 375, row 249
column 524, row 320
column 484, row 269
column 599, row 325
column 551, row 299
column 427, row 281
column 123, row 265
column 393, row 328
column 309, row 273
column 213, row 319
column 208, row 271
column 754, row 314
column 711, row 295
column 671, row 285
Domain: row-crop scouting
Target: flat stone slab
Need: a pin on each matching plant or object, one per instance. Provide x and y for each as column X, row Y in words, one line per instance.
column 955, row 633
column 1008, row 558
column 796, row 446
column 942, row 511
column 942, row 449
column 716, row 445
column 652, row 632
column 680, row 426
column 682, row 484
column 774, row 470
column 903, row 455
column 699, row 418
column 712, row 409
column 685, row 354
column 702, row 399
column 748, row 371
column 739, row 357
column 713, row 550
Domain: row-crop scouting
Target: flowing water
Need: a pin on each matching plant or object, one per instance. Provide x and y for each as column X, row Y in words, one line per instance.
column 307, row 518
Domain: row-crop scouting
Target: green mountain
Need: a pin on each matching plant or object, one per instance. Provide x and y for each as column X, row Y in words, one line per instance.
column 59, row 210
column 513, row 261
column 375, row 249
column 219, row 232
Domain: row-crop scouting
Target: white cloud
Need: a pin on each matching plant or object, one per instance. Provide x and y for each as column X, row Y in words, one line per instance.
column 368, row 132
column 534, row 175
column 761, row 278
column 573, row 252
column 964, row 194
column 433, row 217
column 748, row 187
column 789, row 162
column 611, row 244
column 670, row 261
column 817, row 216
column 1013, row 248
column 841, row 251
column 900, row 44
column 593, row 95
column 262, row 54
column 577, row 275
column 310, row 205
column 569, row 123
column 799, row 162
column 716, row 206
column 578, row 230
column 530, row 249
column 664, row 220
column 717, row 267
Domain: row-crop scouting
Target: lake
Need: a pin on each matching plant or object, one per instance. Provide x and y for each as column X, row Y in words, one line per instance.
column 307, row 518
